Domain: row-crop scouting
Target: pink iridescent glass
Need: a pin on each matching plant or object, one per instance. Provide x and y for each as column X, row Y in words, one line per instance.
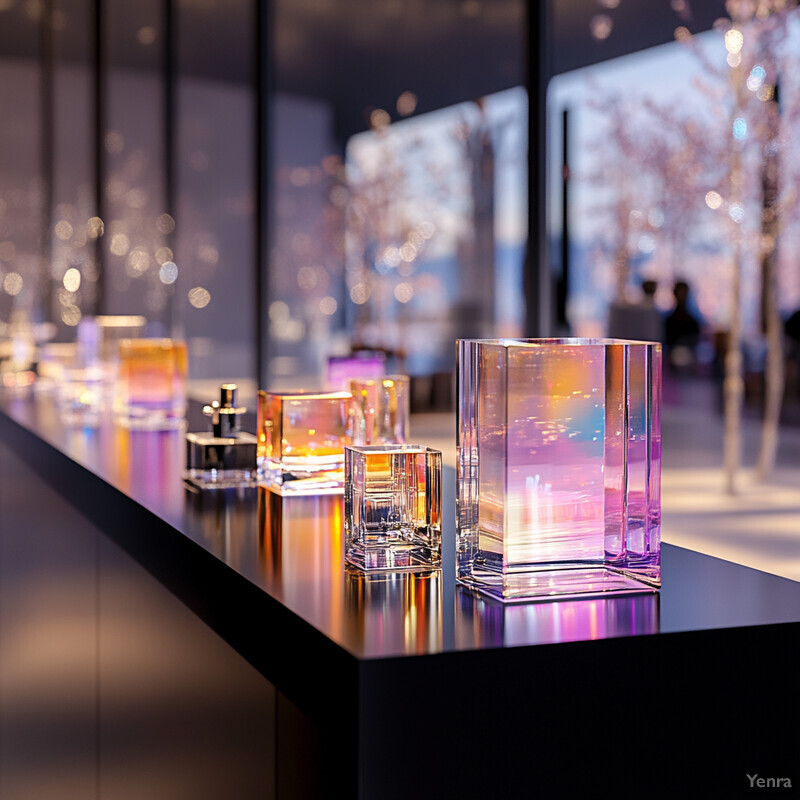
column 559, row 466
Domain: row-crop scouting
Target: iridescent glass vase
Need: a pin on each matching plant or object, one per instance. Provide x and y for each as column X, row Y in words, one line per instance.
column 559, row 467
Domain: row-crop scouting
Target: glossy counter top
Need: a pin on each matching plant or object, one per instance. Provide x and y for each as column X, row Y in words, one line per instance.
column 278, row 563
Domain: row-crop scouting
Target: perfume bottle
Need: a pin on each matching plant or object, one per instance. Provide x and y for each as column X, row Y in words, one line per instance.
column 225, row 456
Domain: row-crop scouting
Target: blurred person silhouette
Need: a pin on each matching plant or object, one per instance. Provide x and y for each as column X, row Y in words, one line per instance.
column 641, row 321
column 681, row 327
column 791, row 330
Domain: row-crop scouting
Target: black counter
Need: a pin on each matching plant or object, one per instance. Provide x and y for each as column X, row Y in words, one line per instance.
column 411, row 683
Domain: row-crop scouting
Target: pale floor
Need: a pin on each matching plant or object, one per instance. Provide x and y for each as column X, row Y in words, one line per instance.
column 758, row 527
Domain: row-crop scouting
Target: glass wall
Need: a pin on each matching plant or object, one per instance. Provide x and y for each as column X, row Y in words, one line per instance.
column 23, row 193
column 207, row 166
column 399, row 193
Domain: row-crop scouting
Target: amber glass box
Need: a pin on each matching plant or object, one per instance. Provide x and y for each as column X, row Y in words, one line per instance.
column 301, row 440
column 151, row 385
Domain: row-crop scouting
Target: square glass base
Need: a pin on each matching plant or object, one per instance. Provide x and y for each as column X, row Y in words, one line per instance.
column 221, row 478
column 302, row 476
column 395, row 551
column 552, row 582
column 150, row 419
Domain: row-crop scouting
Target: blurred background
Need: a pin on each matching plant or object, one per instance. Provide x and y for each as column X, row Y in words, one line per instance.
column 282, row 182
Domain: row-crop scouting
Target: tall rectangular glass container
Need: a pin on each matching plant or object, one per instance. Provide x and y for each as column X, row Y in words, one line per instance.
column 559, row 467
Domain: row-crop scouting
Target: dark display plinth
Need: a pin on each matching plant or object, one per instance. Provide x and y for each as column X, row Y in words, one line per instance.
column 363, row 685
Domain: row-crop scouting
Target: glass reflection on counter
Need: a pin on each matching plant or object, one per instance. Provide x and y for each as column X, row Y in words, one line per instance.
column 147, row 463
column 301, row 550
column 225, row 517
column 483, row 622
column 395, row 612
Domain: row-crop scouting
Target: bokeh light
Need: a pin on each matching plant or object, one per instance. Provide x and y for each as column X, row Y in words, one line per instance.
column 120, row 244
column 168, row 273
column 95, row 228
column 601, row 26
column 63, row 230
column 734, row 40
column 328, row 305
column 165, row 223
column 12, row 283
column 72, row 280
column 736, row 212
column 403, row 292
column 71, row 315
column 406, row 103
column 199, row 297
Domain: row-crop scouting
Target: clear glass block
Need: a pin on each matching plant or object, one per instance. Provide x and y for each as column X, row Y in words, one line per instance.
column 151, row 385
column 392, row 507
column 559, row 467
column 301, row 440
column 380, row 410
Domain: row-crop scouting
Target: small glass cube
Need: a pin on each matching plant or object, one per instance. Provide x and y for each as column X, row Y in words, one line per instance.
column 559, row 467
column 380, row 410
column 301, row 440
column 392, row 507
column 151, row 386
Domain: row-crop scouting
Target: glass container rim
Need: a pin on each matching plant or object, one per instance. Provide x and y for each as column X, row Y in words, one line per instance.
column 572, row 341
column 366, row 449
column 307, row 394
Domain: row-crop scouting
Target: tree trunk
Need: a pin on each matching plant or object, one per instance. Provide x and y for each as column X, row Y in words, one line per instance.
column 733, row 385
column 773, row 368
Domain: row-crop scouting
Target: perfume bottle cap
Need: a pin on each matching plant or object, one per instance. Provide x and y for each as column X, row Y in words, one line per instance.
column 224, row 413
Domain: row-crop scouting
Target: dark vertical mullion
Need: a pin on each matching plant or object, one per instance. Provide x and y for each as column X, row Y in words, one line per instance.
column 263, row 171
column 47, row 143
column 99, row 150
column 170, row 43
column 563, row 281
column 538, row 280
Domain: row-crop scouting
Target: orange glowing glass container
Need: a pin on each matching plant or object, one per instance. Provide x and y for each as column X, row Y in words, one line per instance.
column 301, row 440
column 151, row 386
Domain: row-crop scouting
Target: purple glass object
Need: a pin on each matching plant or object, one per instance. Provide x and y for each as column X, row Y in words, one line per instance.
column 364, row 365
column 559, row 467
